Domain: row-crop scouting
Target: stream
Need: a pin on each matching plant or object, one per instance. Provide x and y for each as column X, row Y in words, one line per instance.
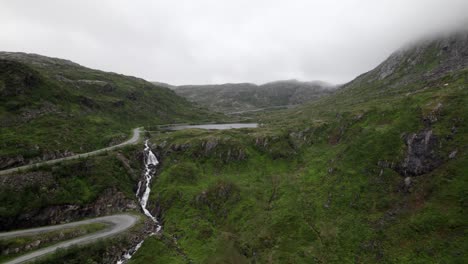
column 151, row 162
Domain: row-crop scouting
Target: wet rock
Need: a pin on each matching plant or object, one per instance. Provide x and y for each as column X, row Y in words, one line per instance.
column 421, row 155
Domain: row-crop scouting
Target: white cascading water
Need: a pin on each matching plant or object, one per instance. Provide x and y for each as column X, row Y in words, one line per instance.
column 150, row 164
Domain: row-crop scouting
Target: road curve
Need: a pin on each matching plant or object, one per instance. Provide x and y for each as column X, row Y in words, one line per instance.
column 133, row 140
column 119, row 223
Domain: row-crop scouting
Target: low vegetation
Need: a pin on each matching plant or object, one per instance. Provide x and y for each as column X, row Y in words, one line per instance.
column 13, row 247
column 374, row 173
column 51, row 108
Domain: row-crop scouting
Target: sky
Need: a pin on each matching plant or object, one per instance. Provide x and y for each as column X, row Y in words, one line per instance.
column 220, row 41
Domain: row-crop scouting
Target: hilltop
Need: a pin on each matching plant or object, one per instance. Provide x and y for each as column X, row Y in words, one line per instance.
column 52, row 107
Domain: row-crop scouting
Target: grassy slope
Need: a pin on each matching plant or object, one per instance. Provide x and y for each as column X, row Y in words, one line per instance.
column 76, row 115
column 46, row 239
column 77, row 182
column 245, row 96
column 315, row 193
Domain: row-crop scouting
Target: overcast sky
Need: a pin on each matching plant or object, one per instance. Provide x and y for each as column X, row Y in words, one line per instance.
column 218, row 41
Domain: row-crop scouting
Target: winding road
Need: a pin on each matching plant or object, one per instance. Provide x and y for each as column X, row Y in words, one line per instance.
column 119, row 223
column 133, row 140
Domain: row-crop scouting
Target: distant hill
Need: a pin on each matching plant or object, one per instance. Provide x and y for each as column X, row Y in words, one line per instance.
column 232, row 97
column 51, row 107
column 374, row 173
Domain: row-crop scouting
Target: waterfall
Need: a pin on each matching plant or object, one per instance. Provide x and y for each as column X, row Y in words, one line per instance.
column 151, row 162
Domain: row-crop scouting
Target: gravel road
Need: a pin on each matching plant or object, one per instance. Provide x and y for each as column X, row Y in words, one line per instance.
column 118, row 224
column 134, row 139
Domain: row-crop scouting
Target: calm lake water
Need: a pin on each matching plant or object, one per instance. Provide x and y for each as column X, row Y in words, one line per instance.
column 216, row 126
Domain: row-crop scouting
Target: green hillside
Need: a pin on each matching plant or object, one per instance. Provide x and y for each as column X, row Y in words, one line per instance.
column 240, row 97
column 51, row 107
column 375, row 173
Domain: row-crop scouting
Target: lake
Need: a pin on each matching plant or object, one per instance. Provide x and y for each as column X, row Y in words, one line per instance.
column 215, row 126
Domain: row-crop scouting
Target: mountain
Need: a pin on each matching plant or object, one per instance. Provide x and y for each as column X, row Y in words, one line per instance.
column 372, row 173
column 52, row 107
column 233, row 97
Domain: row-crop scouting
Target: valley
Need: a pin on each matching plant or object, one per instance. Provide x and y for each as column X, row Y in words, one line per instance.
column 372, row 171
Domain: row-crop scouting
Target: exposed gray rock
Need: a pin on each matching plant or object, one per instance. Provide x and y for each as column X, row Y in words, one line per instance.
column 407, row 181
column 45, row 109
column 22, row 180
column 453, row 154
column 421, row 155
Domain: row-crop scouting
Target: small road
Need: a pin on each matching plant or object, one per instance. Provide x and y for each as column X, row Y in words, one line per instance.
column 119, row 223
column 133, row 140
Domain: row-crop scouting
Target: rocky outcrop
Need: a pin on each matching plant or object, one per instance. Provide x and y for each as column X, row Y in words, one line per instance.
column 129, row 243
column 10, row 162
column 280, row 146
column 41, row 239
column 33, row 113
column 109, row 202
column 421, row 155
column 224, row 149
column 23, row 180
column 19, row 160
column 217, row 197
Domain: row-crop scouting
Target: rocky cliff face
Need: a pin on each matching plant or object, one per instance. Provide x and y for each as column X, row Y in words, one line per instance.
column 421, row 155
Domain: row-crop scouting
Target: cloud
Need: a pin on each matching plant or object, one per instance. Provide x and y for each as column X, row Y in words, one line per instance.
column 212, row 41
